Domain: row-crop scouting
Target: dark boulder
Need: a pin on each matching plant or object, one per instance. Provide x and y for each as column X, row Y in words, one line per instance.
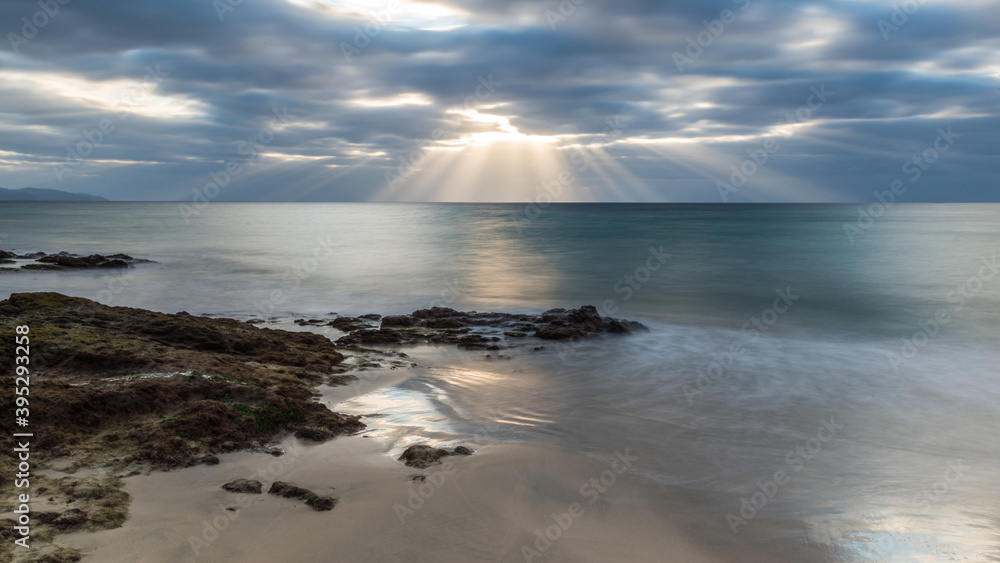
column 400, row 320
column 250, row 486
column 422, row 456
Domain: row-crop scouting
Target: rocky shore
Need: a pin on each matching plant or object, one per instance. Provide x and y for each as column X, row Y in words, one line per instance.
column 472, row 329
column 65, row 261
column 117, row 391
column 126, row 390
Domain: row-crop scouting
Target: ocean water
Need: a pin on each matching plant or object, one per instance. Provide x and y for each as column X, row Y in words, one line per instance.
column 860, row 359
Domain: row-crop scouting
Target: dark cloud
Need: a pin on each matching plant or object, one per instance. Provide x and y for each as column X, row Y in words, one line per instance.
column 566, row 69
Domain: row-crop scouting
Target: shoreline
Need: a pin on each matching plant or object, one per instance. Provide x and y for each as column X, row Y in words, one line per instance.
column 129, row 366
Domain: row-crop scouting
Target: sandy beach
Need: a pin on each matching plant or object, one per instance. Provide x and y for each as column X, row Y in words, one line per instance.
column 493, row 506
column 507, row 502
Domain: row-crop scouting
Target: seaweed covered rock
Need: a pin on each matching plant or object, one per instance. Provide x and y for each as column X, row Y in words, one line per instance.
column 63, row 521
column 421, row 456
column 317, row 502
column 123, row 386
column 472, row 329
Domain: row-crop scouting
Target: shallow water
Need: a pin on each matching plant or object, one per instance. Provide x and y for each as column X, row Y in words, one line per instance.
column 888, row 449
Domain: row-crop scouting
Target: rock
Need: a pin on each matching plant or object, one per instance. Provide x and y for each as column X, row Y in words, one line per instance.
column 209, row 460
column 252, row 486
column 347, row 324
column 462, row 450
column 422, row 456
column 65, row 260
column 371, row 336
column 435, row 312
column 317, row 502
column 443, row 323
column 401, row 320
column 579, row 323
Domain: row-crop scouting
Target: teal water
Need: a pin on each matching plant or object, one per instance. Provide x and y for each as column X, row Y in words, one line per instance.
column 895, row 335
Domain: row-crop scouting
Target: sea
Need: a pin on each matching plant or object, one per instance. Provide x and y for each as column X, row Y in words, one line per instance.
column 811, row 373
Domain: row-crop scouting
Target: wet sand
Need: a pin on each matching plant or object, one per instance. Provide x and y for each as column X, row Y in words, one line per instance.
column 480, row 508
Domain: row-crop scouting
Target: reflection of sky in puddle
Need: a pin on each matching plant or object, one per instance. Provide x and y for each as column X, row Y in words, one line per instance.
column 446, row 407
column 403, row 414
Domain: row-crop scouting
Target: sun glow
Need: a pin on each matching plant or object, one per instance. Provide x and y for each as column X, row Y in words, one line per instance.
column 504, row 131
column 404, row 99
column 427, row 16
column 502, row 164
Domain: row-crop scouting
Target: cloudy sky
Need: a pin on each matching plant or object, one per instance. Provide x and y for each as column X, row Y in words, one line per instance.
column 487, row 100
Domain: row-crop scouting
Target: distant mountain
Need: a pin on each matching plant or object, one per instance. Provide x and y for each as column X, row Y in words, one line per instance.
column 38, row 194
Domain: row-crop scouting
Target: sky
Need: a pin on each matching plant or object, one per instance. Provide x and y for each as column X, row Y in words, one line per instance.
column 506, row 101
